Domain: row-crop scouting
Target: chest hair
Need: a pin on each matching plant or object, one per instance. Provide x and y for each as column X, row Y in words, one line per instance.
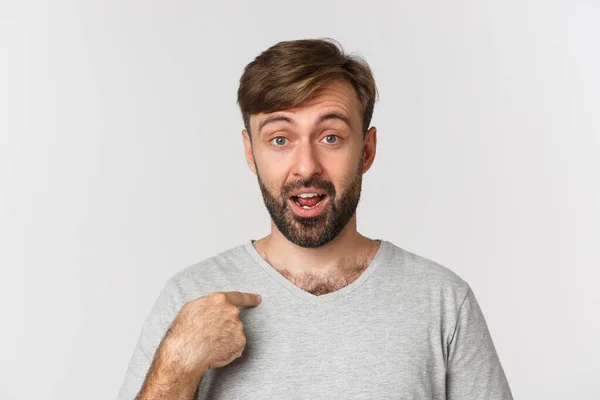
column 320, row 284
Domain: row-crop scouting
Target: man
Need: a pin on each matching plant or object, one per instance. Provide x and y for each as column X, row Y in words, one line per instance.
column 340, row 315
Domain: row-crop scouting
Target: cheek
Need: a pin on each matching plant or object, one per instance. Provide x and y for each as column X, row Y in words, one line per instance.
column 273, row 172
column 341, row 172
column 271, row 164
column 271, row 179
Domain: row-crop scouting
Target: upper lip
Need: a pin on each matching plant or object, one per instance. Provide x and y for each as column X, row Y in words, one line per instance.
column 317, row 191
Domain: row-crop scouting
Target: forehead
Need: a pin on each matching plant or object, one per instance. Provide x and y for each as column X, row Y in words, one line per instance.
column 337, row 92
column 333, row 96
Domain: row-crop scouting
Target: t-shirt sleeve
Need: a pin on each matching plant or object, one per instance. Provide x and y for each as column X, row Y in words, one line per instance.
column 164, row 311
column 474, row 370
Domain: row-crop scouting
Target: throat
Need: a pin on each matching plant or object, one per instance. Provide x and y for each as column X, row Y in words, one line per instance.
column 321, row 283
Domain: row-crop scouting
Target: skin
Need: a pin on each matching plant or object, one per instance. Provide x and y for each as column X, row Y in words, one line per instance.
column 320, row 256
column 206, row 333
column 284, row 155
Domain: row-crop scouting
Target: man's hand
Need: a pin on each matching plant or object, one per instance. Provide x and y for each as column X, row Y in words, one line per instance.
column 206, row 333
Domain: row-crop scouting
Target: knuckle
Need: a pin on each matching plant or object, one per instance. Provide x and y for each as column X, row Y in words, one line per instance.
column 187, row 308
column 218, row 297
column 240, row 333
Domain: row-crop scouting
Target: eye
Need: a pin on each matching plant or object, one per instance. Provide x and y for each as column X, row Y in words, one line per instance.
column 329, row 138
column 279, row 141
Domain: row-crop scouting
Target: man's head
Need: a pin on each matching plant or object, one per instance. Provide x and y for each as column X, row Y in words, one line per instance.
column 306, row 108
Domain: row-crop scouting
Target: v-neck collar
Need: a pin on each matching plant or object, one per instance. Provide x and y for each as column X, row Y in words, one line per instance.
column 325, row 298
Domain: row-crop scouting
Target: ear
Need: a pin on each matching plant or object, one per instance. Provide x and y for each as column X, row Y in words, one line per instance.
column 369, row 148
column 248, row 151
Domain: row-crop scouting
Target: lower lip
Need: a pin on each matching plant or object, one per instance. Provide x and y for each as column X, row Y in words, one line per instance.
column 309, row 212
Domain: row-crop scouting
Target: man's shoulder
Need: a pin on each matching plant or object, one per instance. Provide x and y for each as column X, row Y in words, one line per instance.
column 423, row 271
column 207, row 275
column 223, row 261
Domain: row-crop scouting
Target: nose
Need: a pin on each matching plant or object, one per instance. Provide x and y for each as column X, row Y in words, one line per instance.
column 306, row 162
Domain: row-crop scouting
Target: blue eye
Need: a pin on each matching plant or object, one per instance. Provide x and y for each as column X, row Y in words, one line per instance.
column 279, row 141
column 331, row 136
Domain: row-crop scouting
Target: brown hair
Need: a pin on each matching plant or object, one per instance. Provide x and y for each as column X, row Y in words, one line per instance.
column 288, row 73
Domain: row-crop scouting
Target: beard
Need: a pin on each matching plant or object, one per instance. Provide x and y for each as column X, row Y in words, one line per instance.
column 313, row 232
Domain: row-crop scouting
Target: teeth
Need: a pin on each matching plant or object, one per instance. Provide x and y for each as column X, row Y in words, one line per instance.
column 307, row 207
column 305, row 195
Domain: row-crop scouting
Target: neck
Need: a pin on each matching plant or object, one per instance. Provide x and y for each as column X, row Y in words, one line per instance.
column 345, row 251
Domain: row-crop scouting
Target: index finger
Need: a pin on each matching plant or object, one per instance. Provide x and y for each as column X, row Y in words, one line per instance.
column 242, row 299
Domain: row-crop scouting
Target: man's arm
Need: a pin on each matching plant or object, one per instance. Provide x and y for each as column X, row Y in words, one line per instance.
column 167, row 379
column 145, row 354
column 474, row 370
column 181, row 341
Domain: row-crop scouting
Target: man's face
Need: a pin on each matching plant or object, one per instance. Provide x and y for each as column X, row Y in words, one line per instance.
column 317, row 149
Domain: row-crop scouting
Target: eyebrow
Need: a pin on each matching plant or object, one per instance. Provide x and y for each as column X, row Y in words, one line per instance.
column 322, row 118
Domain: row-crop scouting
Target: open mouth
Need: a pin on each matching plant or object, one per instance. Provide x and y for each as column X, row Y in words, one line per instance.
column 308, row 204
column 308, row 200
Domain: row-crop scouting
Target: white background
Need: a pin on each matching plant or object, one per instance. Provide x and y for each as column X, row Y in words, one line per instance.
column 121, row 162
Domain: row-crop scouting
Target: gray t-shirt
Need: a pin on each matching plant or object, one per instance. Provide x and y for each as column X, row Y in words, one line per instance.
column 407, row 328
